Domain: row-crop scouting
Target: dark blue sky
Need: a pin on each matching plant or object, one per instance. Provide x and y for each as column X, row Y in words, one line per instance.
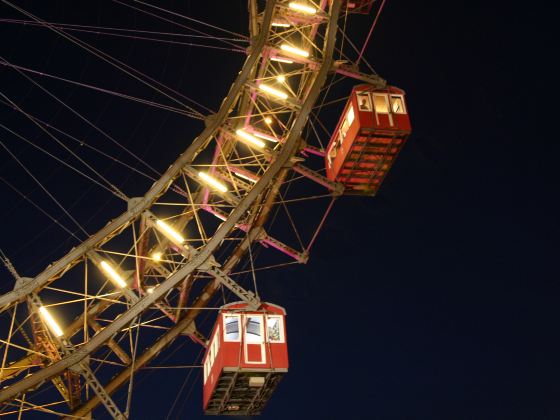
column 437, row 299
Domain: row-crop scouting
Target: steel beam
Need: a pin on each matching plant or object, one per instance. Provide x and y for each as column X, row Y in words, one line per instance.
column 336, row 187
column 199, row 259
column 83, row 367
column 112, row 344
column 153, row 193
column 245, row 295
column 353, row 72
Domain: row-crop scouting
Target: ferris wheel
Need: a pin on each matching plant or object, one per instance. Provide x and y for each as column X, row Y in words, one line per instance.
column 179, row 265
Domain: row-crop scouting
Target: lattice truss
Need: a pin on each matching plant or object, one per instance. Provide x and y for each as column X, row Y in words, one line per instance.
column 149, row 274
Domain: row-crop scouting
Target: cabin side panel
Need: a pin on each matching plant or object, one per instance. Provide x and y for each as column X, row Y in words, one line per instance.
column 212, row 364
column 342, row 140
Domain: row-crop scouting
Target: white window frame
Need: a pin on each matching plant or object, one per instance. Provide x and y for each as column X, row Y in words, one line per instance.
column 387, row 103
column 389, row 112
column 246, row 319
column 366, row 95
column 217, row 339
column 240, row 330
column 344, row 127
column 350, row 115
column 401, row 97
column 330, row 158
column 211, row 354
column 280, row 318
column 215, row 346
column 261, row 343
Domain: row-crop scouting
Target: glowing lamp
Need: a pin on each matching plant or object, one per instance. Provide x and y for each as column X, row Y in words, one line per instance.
column 282, row 60
column 169, row 231
column 250, row 138
column 112, row 274
column 274, row 92
column 293, row 50
column 265, row 136
column 302, row 8
column 212, row 182
column 254, row 181
column 51, row 323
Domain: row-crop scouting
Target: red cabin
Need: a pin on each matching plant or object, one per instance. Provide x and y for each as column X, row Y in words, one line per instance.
column 369, row 136
column 246, row 357
column 357, row 6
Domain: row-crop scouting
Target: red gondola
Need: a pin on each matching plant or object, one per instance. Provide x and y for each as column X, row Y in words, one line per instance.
column 369, row 136
column 246, row 358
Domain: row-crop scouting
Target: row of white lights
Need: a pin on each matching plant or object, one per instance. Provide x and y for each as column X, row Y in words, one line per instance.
column 251, row 139
column 53, row 326
column 290, row 49
column 287, row 48
column 114, row 276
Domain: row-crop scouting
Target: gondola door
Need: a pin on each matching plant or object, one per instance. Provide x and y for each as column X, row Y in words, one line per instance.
column 254, row 339
column 383, row 116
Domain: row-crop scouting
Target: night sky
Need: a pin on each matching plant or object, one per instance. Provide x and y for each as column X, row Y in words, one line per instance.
column 436, row 299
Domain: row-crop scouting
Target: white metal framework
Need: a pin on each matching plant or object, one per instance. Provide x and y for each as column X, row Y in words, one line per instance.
column 147, row 265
